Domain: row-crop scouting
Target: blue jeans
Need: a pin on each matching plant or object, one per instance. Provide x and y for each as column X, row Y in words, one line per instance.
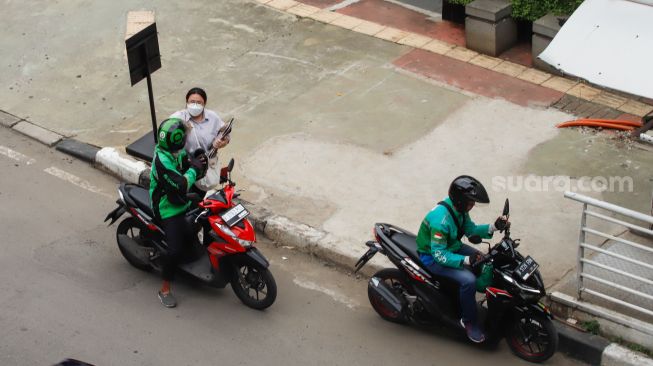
column 467, row 282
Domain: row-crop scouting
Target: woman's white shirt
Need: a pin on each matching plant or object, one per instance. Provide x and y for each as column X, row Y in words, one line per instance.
column 201, row 134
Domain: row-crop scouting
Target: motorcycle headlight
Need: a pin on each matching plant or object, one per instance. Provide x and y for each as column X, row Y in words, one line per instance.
column 225, row 229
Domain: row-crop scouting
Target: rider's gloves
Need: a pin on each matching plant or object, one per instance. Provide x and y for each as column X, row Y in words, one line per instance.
column 500, row 224
column 200, row 163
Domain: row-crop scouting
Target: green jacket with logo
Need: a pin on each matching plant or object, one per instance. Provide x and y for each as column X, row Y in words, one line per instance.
column 170, row 180
column 437, row 239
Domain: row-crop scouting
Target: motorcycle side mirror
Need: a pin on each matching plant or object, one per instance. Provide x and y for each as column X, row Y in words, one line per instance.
column 230, row 167
column 506, row 208
column 475, row 239
column 224, row 175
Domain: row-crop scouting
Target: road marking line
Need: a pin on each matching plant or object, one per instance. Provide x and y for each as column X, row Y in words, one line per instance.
column 339, row 297
column 70, row 178
column 15, row 155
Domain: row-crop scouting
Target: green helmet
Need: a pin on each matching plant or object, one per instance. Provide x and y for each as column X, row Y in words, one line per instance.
column 172, row 135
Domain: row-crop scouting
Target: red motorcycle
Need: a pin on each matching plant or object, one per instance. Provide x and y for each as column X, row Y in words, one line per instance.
column 221, row 250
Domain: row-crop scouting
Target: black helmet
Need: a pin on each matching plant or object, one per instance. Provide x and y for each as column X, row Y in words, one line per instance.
column 172, row 135
column 465, row 189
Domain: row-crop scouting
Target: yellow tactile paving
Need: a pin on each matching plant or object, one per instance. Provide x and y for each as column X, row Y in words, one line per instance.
column 531, row 75
column 509, row 68
column 346, row 22
column 462, row 54
column 584, row 91
column 325, row 16
column 303, row 10
column 534, row 76
column 369, row 28
column 610, row 100
column 391, row 34
column 485, row 61
column 437, row 46
column 636, row 108
column 282, row 4
column 415, row 40
column 560, row 84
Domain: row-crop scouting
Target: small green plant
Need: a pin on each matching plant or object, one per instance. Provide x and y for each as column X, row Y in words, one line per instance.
column 535, row 9
column 632, row 346
column 591, row 326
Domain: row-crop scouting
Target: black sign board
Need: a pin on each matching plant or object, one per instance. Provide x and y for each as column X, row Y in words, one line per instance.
column 143, row 54
column 144, row 58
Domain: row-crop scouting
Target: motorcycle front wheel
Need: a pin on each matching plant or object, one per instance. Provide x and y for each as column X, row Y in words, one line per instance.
column 532, row 338
column 254, row 286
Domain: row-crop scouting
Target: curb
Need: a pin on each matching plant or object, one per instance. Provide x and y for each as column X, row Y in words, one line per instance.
column 596, row 350
column 581, row 346
column 80, row 150
column 37, row 132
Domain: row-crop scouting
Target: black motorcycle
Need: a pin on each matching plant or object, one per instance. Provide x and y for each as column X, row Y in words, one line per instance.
column 511, row 308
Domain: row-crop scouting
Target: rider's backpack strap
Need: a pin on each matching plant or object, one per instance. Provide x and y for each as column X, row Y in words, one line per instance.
column 461, row 228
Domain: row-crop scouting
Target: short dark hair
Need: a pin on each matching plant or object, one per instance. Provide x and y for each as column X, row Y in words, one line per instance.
column 196, row 90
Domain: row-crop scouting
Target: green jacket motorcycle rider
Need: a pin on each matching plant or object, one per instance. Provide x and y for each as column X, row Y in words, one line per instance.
column 442, row 252
column 172, row 174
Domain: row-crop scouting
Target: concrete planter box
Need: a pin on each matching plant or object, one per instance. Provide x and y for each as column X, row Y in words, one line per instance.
column 544, row 30
column 489, row 28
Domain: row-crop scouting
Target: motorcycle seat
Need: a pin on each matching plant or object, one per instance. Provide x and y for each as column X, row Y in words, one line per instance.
column 141, row 196
column 408, row 243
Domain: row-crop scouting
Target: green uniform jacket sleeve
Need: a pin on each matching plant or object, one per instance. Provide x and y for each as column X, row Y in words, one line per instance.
column 472, row 229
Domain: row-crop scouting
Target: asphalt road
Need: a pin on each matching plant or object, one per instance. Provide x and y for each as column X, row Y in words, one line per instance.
column 67, row 292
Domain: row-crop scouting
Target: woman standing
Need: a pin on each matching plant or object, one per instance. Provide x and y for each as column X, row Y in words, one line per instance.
column 204, row 127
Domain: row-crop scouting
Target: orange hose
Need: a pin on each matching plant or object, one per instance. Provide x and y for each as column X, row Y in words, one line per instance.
column 615, row 121
column 590, row 123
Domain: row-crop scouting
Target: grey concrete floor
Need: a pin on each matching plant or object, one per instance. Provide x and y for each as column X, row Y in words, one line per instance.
column 67, row 292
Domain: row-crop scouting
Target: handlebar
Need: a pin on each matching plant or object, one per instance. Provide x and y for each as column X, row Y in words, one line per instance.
column 506, row 245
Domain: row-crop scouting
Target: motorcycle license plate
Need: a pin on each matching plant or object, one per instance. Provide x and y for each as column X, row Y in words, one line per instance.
column 526, row 268
column 234, row 215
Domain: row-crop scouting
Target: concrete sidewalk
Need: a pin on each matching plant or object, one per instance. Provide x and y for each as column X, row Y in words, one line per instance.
column 336, row 129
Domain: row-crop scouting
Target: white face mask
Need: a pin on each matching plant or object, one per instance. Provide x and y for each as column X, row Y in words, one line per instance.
column 195, row 109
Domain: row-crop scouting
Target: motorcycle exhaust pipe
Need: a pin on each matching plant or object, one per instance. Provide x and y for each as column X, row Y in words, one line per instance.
column 137, row 251
column 385, row 295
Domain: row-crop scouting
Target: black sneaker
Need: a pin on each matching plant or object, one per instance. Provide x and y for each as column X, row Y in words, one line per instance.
column 168, row 300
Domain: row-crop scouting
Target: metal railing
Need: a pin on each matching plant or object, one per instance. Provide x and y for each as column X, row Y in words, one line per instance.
column 632, row 269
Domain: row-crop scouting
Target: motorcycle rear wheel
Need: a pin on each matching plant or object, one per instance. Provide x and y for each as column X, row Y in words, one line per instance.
column 397, row 282
column 250, row 282
column 133, row 229
column 532, row 338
